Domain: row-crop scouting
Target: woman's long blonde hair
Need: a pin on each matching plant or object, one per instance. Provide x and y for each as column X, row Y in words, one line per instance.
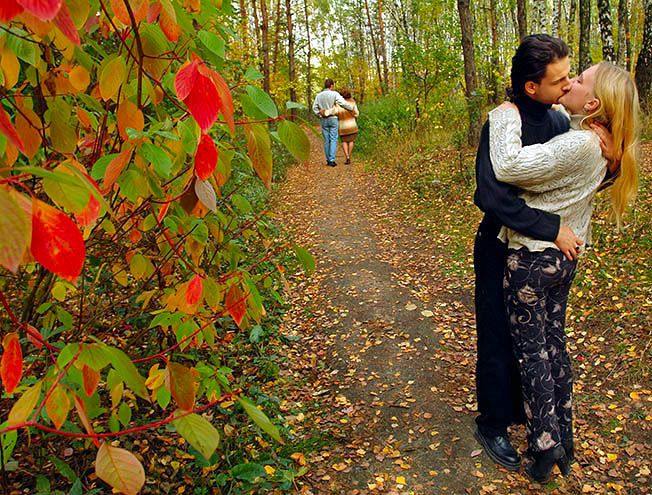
column 619, row 111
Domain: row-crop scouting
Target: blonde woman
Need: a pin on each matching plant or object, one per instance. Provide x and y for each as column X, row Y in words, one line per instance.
column 348, row 128
column 561, row 176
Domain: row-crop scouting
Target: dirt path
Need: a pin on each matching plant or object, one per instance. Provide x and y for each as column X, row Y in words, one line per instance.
column 382, row 333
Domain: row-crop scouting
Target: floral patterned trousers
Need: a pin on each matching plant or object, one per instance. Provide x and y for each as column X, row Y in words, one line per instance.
column 536, row 292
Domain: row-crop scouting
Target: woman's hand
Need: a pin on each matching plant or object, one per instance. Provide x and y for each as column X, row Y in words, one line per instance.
column 607, row 145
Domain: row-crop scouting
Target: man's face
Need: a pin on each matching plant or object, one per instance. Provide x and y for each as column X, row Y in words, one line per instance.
column 581, row 91
column 554, row 85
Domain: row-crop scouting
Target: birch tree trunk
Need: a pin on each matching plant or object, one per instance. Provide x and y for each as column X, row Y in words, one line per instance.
column 470, row 77
column 585, row 35
column 623, row 34
column 264, row 43
column 571, row 26
column 539, row 11
column 644, row 62
column 606, row 33
column 556, row 17
column 493, row 79
column 308, row 56
column 383, row 45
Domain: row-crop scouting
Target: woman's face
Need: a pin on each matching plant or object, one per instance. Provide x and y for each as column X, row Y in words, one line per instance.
column 581, row 92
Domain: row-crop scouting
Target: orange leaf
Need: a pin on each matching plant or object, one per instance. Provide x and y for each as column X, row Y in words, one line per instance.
column 57, row 243
column 27, row 124
column 129, row 115
column 181, row 383
column 236, row 303
column 7, row 128
column 15, row 228
column 138, row 7
column 206, row 157
column 79, row 79
column 194, row 292
column 226, row 98
column 83, row 416
column 91, row 378
column 120, row 469
column 168, row 21
column 58, row 406
column 114, row 169
column 11, row 365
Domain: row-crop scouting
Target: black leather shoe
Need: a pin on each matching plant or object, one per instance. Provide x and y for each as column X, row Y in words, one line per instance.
column 500, row 450
column 544, row 461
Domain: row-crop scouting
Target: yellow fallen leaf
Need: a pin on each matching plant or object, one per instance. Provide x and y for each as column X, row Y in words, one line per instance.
column 401, row 480
column 611, row 457
column 635, row 395
column 270, row 470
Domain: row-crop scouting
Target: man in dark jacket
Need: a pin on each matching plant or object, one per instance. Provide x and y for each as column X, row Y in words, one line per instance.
column 539, row 76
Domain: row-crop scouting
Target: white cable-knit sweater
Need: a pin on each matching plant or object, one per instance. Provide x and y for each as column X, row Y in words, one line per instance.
column 561, row 176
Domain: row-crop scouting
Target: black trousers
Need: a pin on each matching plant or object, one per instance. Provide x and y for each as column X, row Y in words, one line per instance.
column 536, row 293
column 498, row 384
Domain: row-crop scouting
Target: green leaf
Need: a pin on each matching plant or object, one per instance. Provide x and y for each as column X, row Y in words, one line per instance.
column 95, row 356
column 248, row 471
column 250, row 109
column 263, row 101
column 73, row 198
column 99, row 168
column 252, row 74
column 241, row 204
column 295, row 140
column 23, row 49
column 306, row 259
column 293, row 104
column 111, row 76
column 9, row 440
column 213, row 42
column 260, row 418
column 127, row 371
column 124, row 414
column 163, row 397
column 133, row 184
column 64, row 469
column 159, row 159
column 199, row 433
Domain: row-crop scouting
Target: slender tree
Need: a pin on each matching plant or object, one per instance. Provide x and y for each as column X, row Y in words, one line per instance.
column 539, row 14
column 383, row 46
column 308, row 56
column 644, row 62
column 571, row 25
column 556, row 17
column 374, row 45
column 585, row 35
column 264, row 44
column 623, row 34
column 470, row 76
column 494, row 67
column 291, row 65
column 521, row 13
column 606, row 33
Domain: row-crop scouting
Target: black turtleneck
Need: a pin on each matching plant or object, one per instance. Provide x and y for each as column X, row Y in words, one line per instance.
column 499, row 201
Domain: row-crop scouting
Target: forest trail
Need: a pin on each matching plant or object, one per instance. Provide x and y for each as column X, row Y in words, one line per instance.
column 377, row 312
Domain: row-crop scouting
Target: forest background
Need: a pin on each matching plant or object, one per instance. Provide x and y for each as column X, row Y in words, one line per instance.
column 107, row 114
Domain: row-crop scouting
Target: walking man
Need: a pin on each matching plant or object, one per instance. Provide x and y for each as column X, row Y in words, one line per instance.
column 329, row 125
column 539, row 76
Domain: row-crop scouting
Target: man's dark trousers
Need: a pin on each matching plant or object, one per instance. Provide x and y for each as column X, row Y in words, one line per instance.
column 498, row 382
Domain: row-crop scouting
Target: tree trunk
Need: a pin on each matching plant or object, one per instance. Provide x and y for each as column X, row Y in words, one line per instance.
column 254, row 9
column 606, row 33
column 244, row 27
column 494, row 68
column 470, row 77
column 521, row 9
column 556, row 17
column 572, row 20
column 374, row 46
column 623, row 34
column 644, row 62
column 539, row 14
column 308, row 57
column 383, row 47
column 264, row 43
column 585, row 35
column 277, row 29
column 291, row 70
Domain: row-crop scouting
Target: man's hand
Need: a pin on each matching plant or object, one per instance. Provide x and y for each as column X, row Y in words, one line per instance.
column 607, row 145
column 568, row 242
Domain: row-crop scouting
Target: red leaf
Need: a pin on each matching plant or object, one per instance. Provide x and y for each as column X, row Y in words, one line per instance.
column 164, row 209
column 8, row 129
column 34, row 336
column 185, row 79
column 114, row 169
column 181, row 383
column 236, row 303
column 57, row 243
column 64, row 22
column 153, row 12
column 91, row 378
column 11, row 366
column 199, row 93
column 206, row 157
column 195, row 290
column 225, row 97
column 9, row 9
column 45, row 10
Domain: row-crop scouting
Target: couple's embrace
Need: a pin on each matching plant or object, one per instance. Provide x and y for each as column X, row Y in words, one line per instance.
column 538, row 169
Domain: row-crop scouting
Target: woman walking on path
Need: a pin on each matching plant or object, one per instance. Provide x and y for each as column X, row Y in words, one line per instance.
column 348, row 128
column 561, row 176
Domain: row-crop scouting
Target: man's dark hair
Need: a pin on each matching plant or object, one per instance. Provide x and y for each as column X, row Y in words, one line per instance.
column 328, row 83
column 532, row 56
